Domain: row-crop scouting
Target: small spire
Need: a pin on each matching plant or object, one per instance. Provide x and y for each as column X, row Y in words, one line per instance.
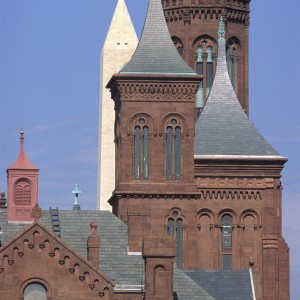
column 76, row 192
column 221, row 32
column 22, row 162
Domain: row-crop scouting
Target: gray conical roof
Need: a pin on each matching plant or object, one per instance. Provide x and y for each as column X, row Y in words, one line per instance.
column 223, row 128
column 156, row 53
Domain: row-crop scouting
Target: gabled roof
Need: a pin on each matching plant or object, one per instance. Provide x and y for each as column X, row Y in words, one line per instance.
column 223, row 128
column 34, row 241
column 156, row 53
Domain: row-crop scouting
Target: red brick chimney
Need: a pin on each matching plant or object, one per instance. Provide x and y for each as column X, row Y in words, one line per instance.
column 159, row 255
column 93, row 246
column 22, row 185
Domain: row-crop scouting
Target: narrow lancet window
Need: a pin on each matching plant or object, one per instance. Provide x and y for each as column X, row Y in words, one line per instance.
column 173, row 151
column 169, row 153
column 199, row 70
column 227, row 231
column 178, row 153
column 170, row 227
column 137, row 152
column 232, row 61
column 209, row 70
column 179, row 242
column 175, row 229
column 226, row 223
column 141, row 151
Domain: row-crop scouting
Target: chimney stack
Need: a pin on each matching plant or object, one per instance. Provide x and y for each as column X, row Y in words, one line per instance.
column 93, row 246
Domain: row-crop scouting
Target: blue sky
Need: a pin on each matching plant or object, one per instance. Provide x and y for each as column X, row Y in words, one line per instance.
column 49, row 84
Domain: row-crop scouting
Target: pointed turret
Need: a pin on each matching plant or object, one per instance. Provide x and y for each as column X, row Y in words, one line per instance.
column 22, row 162
column 223, row 128
column 120, row 43
column 156, row 53
column 22, row 185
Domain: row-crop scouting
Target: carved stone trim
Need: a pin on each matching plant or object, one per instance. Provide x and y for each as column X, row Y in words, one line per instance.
column 158, row 91
column 227, row 182
column 230, row 194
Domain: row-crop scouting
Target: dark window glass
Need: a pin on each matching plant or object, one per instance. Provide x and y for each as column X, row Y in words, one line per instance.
column 169, row 153
column 137, row 152
column 226, row 231
column 227, row 262
column 170, row 227
column 180, row 51
column 146, row 152
column 179, row 242
column 178, row 153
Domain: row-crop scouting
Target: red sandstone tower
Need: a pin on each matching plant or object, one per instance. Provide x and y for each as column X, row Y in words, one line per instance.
column 22, row 182
column 193, row 25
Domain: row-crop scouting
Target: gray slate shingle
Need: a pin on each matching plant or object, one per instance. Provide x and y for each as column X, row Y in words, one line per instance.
column 223, row 128
column 225, row 284
column 156, row 53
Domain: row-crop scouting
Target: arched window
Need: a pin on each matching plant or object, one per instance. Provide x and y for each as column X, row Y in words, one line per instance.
column 232, row 50
column 23, row 193
column 141, row 150
column 175, row 227
column 173, row 150
column 209, row 70
column 35, row 291
column 199, row 70
column 226, row 223
column 205, row 54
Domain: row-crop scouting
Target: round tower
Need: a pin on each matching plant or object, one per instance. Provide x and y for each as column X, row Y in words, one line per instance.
column 193, row 25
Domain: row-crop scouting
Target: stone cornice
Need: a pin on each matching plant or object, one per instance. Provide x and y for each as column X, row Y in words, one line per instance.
column 130, row 87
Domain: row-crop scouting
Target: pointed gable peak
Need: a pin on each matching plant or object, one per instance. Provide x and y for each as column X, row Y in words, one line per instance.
column 156, row 53
column 121, row 30
column 22, row 162
column 223, row 128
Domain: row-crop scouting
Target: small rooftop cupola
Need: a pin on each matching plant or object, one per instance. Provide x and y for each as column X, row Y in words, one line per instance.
column 156, row 53
column 223, row 128
column 76, row 192
column 22, row 182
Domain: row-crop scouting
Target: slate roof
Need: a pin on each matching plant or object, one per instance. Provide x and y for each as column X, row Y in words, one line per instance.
column 126, row 270
column 223, row 128
column 225, row 284
column 156, row 53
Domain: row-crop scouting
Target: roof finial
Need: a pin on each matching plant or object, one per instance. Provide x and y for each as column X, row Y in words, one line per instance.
column 221, row 32
column 76, row 192
column 22, row 135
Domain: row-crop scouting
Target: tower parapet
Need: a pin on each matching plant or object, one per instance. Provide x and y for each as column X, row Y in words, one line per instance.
column 193, row 26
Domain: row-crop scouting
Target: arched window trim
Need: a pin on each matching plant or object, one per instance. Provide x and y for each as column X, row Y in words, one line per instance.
column 233, row 50
column 178, row 222
column 45, row 292
column 209, row 55
column 28, row 279
column 174, row 135
column 226, row 239
column 141, row 127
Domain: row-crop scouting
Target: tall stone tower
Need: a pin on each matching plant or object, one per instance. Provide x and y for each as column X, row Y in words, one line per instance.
column 119, row 45
column 154, row 97
column 22, row 184
column 193, row 25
